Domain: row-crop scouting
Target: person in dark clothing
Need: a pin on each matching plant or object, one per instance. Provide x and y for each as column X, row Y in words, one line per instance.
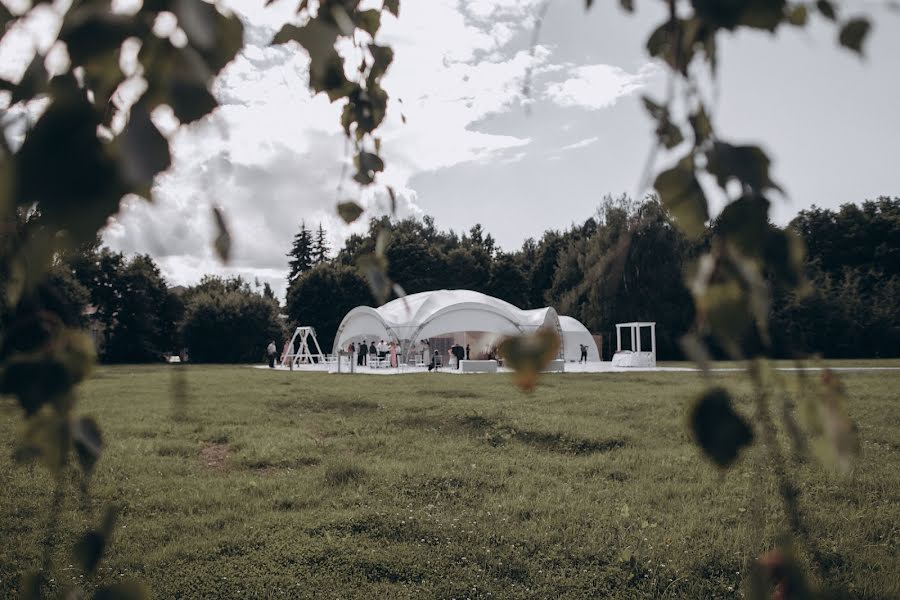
column 459, row 353
column 434, row 360
column 361, row 356
column 373, row 354
column 271, row 352
column 583, row 354
column 468, row 355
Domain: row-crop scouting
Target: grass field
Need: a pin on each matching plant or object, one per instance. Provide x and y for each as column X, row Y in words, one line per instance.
column 300, row 485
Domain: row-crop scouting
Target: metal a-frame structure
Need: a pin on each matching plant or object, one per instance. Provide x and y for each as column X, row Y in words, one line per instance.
column 304, row 354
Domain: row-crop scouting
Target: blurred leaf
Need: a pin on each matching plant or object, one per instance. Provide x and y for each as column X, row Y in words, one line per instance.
column 48, row 435
column 30, row 586
column 725, row 308
column 125, row 590
column 681, row 194
column 33, row 82
column 145, row 152
column 798, row 15
column 43, row 360
column 826, row 8
column 198, row 19
column 222, row 243
column 90, row 31
column 747, row 164
column 392, row 195
column 834, row 435
column 89, row 549
column 375, row 270
column 368, row 20
column 382, row 57
column 745, row 223
column 778, row 574
column 228, row 35
column 720, row 432
column 88, row 443
column 529, row 354
column 367, row 165
column 392, row 6
column 839, row 427
column 179, row 78
column 853, row 34
column 785, row 255
column 349, row 211
column 668, row 134
column 326, row 69
column 382, row 241
column 190, row 100
column 85, row 188
column 656, row 110
column 701, row 125
column 729, row 14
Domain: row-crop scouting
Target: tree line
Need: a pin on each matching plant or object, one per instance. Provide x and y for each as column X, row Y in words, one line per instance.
column 624, row 263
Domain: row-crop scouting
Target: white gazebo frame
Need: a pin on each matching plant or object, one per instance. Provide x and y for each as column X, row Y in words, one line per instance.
column 636, row 357
column 303, row 355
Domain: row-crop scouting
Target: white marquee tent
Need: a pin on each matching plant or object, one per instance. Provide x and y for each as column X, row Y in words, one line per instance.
column 574, row 334
column 421, row 316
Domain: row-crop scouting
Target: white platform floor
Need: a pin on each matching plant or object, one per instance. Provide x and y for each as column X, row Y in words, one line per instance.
column 591, row 367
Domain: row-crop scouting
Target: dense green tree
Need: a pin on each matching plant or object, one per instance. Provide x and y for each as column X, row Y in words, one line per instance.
column 507, row 281
column 140, row 332
column 301, row 254
column 629, row 269
column 227, row 322
column 319, row 252
column 323, row 295
column 851, row 309
column 467, row 269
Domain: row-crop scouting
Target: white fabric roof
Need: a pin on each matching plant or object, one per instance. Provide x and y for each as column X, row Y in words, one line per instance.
column 426, row 314
column 574, row 333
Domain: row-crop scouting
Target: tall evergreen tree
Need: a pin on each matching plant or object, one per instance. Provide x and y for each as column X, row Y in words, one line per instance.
column 300, row 254
column 320, row 249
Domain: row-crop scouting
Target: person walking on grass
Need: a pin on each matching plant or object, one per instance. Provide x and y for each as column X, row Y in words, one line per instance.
column 271, row 351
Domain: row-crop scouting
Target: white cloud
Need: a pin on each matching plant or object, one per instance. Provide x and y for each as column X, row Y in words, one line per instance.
column 273, row 154
column 580, row 144
column 598, row 86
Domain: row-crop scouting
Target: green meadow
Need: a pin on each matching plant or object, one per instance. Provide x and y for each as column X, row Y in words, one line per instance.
column 261, row 484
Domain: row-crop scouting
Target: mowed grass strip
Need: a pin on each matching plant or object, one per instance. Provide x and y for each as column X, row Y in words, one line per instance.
column 299, row 485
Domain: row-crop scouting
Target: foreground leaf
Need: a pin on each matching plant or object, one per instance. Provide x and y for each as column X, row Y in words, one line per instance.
column 349, row 211
column 528, row 355
column 718, row 429
column 374, row 268
column 854, row 33
column 145, row 152
column 89, row 549
column 126, row 590
column 681, row 194
column 222, row 243
column 88, row 442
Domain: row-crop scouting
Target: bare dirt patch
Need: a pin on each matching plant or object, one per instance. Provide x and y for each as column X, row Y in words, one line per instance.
column 214, row 456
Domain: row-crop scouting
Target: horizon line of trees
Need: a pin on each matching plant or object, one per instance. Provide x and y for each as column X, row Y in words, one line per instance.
column 624, row 263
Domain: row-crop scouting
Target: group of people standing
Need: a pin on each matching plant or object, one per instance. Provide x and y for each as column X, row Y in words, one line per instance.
column 370, row 353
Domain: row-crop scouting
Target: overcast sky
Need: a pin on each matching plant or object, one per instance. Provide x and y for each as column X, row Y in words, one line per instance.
column 470, row 152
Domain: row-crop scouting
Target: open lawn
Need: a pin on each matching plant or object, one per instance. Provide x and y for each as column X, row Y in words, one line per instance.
column 287, row 485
